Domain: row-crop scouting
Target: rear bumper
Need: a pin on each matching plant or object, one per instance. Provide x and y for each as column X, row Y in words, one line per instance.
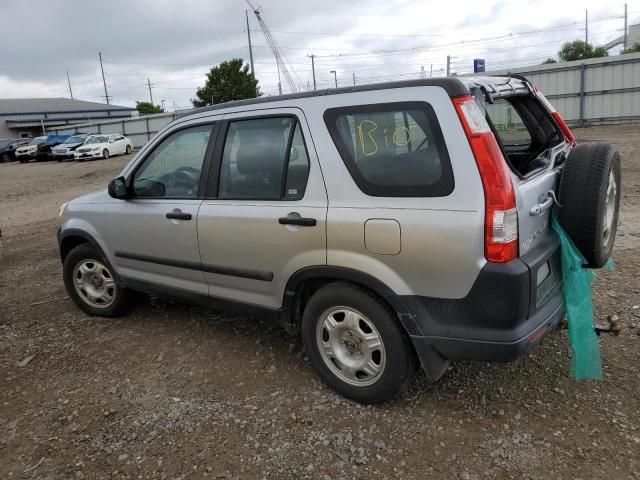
column 510, row 308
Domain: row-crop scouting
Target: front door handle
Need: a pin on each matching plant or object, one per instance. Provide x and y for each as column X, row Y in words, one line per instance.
column 301, row 221
column 179, row 216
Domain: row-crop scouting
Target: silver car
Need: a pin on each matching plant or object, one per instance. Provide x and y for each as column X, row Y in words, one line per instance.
column 386, row 224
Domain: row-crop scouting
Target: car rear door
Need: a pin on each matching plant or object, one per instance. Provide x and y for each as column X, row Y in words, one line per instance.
column 266, row 206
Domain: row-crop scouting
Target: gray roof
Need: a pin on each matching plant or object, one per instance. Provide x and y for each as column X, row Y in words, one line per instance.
column 58, row 105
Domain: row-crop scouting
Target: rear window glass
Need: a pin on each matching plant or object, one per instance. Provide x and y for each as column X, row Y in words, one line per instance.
column 393, row 149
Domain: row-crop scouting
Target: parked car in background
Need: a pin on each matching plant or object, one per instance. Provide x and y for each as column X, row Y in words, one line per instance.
column 67, row 148
column 103, row 146
column 8, row 148
column 28, row 152
column 44, row 152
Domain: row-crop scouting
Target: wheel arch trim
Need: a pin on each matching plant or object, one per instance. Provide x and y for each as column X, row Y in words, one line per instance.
column 335, row 273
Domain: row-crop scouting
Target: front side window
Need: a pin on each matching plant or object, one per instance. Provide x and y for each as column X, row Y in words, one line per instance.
column 264, row 159
column 173, row 168
column 392, row 150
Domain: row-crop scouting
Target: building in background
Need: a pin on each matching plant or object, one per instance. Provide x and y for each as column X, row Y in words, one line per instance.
column 29, row 117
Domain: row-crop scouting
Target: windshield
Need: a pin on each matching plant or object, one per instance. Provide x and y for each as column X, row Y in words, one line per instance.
column 97, row 139
column 75, row 139
column 37, row 140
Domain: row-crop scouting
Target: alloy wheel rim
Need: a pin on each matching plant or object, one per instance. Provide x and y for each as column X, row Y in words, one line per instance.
column 351, row 346
column 610, row 210
column 94, row 283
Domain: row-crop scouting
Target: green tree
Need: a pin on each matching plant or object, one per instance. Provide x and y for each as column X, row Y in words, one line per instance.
column 145, row 108
column 580, row 50
column 633, row 49
column 549, row 60
column 228, row 81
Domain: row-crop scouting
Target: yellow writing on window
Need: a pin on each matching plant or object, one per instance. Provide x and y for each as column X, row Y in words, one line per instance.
column 367, row 131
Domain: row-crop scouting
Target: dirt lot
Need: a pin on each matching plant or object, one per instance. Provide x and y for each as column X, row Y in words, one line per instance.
column 174, row 391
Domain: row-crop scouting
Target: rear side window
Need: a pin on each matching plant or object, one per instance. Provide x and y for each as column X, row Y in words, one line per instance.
column 392, row 149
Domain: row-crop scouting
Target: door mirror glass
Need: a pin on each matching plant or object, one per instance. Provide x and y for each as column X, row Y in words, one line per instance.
column 118, row 188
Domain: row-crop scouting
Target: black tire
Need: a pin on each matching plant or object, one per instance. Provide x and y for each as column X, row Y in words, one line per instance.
column 128, row 150
column 122, row 297
column 5, row 158
column 105, row 154
column 398, row 354
column 583, row 193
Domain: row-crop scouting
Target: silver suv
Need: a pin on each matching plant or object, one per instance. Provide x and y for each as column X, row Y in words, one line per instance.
column 386, row 224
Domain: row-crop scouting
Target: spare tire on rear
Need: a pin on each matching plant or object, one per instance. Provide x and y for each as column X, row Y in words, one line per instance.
column 589, row 196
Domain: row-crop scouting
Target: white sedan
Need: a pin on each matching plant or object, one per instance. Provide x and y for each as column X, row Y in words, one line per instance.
column 103, row 146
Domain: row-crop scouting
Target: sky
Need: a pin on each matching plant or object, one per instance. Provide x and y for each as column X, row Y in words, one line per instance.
column 173, row 43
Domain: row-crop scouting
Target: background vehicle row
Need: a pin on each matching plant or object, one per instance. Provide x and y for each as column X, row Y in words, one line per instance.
column 80, row 146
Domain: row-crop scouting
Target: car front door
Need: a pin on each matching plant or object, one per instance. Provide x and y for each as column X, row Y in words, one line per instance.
column 153, row 233
column 266, row 207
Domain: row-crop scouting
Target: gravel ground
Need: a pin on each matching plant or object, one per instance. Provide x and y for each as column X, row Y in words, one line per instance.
column 175, row 391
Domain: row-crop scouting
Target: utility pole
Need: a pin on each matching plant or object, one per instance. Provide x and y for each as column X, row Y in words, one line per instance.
column 104, row 82
column 448, row 65
column 431, row 71
column 335, row 77
column 422, row 74
column 253, row 72
column 69, row 82
column 586, row 26
column 313, row 69
column 150, row 94
column 354, row 79
column 625, row 27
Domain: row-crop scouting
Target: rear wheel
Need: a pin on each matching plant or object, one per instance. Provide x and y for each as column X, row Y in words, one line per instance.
column 91, row 284
column 128, row 149
column 105, row 154
column 5, row 158
column 355, row 343
column 590, row 197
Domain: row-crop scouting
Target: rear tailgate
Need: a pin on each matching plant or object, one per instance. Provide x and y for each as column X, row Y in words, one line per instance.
column 534, row 147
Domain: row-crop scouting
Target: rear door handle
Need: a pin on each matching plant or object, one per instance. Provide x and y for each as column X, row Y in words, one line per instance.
column 179, row 216
column 301, row 221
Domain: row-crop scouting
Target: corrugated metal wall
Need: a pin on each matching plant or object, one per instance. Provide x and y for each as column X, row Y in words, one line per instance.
column 590, row 91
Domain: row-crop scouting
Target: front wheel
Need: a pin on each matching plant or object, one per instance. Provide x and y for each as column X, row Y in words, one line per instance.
column 355, row 343
column 5, row 158
column 91, row 284
column 105, row 154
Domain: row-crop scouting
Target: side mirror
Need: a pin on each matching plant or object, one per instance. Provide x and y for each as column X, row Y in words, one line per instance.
column 118, row 188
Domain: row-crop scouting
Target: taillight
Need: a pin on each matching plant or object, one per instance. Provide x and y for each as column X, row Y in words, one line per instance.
column 501, row 217
column 564, row 128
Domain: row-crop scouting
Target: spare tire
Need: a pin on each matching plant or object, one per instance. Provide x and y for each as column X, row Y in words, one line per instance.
column 589, row 196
